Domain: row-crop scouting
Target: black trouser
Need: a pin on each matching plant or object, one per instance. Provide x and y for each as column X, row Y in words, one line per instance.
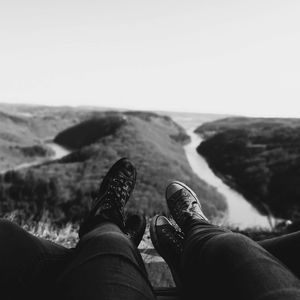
column 220, row 264
column 106, row 265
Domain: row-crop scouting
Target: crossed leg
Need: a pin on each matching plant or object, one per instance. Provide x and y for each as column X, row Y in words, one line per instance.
column 106, row 265
column 227, row 264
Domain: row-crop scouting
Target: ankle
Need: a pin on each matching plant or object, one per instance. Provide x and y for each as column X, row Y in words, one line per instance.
column 193, row 221
column 98, row 221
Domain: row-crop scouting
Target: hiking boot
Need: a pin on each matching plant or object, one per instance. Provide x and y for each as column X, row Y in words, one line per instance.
column 135, row 227
column 168, row 242
column 183, row 203
column 113, row 194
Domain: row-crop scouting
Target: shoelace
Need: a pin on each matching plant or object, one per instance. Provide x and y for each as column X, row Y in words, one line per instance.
column 119, row 186
column 180, row 206
column 118, row 191
column 176, row 238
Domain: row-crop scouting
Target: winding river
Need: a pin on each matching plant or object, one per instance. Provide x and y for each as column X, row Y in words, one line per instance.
column 58, row 152
column 240, row 212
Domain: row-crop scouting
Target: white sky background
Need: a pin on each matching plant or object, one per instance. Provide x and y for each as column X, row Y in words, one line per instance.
column 233, row 56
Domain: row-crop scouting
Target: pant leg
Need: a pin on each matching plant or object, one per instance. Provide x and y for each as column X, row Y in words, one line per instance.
column 219, row 264
column 28, row 265
column 287, row 249
column 106, row 266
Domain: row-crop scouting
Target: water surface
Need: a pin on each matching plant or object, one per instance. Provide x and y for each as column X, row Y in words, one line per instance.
column 240, row 212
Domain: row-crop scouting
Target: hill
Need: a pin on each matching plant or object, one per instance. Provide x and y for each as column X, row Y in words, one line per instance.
column 24, row 130
column 63, row 188
column 260, row 158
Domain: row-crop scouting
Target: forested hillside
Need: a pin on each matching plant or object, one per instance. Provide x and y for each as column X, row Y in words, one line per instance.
column 63, row 188
column 260, row 158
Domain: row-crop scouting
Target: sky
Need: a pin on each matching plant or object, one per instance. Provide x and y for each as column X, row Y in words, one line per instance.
column 207, row 56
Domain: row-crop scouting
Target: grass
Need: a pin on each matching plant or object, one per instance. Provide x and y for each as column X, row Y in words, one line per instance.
column 65, row 235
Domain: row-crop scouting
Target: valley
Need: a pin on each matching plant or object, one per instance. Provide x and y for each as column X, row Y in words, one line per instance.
column 62, row 188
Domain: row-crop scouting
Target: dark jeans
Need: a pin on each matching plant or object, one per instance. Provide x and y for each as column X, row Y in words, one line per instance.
column 219, row 264
column 106, row 265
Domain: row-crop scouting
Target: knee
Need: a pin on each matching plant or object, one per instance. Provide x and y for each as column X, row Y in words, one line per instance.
column 16, row 240
column 228, row 244
column 215, row 249
column 16, row 247
column 8, row 229
column 106, row 239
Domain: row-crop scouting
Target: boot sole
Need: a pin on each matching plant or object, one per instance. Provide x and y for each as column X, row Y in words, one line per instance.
column 159, row 249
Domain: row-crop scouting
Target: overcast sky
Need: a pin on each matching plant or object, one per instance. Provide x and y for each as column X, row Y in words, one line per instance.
column 233, row 56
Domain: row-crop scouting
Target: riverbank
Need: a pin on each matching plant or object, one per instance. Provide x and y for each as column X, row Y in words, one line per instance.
column 240, row 212
column 260, row 157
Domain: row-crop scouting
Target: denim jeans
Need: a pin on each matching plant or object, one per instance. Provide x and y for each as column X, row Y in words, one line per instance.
column 220, row 264
column 106, row 265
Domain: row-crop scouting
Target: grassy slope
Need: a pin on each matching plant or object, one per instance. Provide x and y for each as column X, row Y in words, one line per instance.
column 28, row 126
column 65, row 187
column 259, row 157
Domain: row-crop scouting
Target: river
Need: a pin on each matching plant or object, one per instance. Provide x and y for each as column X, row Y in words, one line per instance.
column 240, row 212
column 58, row 152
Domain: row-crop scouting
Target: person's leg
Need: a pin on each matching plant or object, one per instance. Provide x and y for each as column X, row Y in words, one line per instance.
column 107, row 265
column 286, row 248
column 219, row 263
column 232, row 265
column 28, row 265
